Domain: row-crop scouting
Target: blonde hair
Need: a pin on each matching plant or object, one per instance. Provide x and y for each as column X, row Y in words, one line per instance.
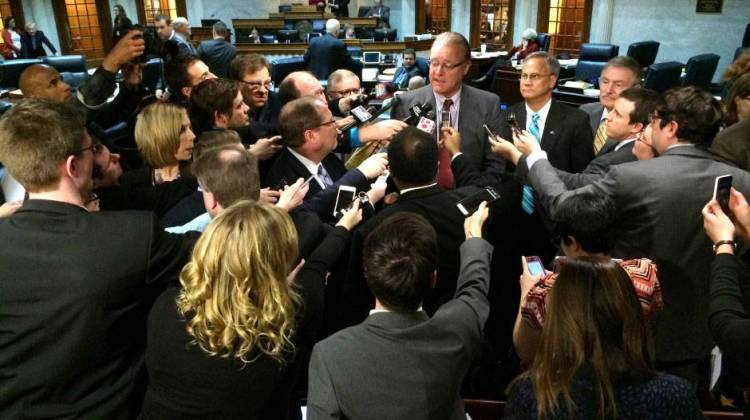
column 235, row 295
column 157, row 134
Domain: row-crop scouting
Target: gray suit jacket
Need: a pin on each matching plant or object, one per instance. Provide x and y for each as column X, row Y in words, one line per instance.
column 659, row 204
column 405, row 365
column 594, row 111
column 477, row 107
column 186, row 47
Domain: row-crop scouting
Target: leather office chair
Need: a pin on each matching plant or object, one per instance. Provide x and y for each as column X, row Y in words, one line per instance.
column 67, row 63
column 290, row 35
column 700, row 69
column 267, row 39
column 592, row 59
column 543, row 40
column 74, row 79
column 644, row 52
column 354, row 52
column 362, row 12
column 384, row 34
column 283, row 66
column 663, row 76
column 152, row 73
column 11, row 70
column 424, row 67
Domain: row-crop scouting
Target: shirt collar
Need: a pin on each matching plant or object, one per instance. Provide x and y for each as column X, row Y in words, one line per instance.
column 605, row 112
column 417, row 188
column 542, row 112
column 309, row 164
column 622, row 143
column 456, row 98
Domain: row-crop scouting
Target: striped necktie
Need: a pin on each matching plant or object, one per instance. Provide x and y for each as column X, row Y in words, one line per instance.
column 527, row 198
column 324, row 177
column 601, row 136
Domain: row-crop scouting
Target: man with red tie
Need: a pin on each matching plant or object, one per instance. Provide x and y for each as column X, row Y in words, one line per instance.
column 460, row 106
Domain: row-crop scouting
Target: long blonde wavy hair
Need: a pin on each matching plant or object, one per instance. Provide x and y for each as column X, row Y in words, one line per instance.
column 235, row 296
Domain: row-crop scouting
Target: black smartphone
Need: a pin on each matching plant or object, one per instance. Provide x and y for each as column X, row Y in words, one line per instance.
column 470, row 204
column 536, row 268
column 513, row 123
column 722, row 188
column 344, row 199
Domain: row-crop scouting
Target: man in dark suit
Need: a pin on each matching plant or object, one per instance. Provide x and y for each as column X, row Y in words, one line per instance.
column 33, row 41
column 400, row 363
column 625, row 124
column 408, row 70
column 658, row 206
column 253, row 72
column 340, row 8
column 218, row 52
column 383, row 13
column 75, row 287
column 164, row 28
column 328, row 53
column 413, row 157
column 621, row 73
column 309, row 135
column 467, row 108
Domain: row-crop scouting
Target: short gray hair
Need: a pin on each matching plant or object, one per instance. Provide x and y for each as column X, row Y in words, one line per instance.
column 529, row 34
column 179, row 22
column 332, row 26
column 553, row 66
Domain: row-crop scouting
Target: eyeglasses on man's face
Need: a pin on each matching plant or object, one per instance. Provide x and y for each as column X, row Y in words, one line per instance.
column 257, row 84
column 95, row 148
column 446, row 66
column 323, row 124
column 533, row 77
column 346, row 92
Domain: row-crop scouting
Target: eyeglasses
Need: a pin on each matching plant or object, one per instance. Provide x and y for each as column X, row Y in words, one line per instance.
column 533, row 77
column 323, row 124
column 256, row 84
column 346, row 92
column 95, row 149
column 446, row 66
column 93, row 198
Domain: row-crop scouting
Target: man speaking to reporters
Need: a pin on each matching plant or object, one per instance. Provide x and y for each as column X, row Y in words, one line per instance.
column 467, row 109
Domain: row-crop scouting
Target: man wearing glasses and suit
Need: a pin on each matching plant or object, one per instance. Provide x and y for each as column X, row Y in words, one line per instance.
column 461, row 106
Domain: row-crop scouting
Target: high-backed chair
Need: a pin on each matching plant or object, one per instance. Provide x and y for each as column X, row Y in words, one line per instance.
column 384, row 34
column 592, row 59
column 152, row 73
column 312, row 35
column 354, row 52
column 283, row 66
column 663, row 76
column 700, row 69
column 364, row 33
column 67, row 63
column 362, row 12
column 644, row 52
column 74, row 79
column 267, row 39
column 288, row 35
column 11, row 70
column 542, row 39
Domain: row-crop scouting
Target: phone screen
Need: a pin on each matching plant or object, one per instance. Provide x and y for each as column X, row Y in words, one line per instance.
column 470, row 204
column 344, row 200
column 722, row 187
column 535, row 266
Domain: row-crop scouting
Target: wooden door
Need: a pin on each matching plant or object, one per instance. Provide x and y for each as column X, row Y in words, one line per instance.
column 84, row 27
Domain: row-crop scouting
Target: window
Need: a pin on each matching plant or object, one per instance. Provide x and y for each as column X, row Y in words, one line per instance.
column 495, row 23
column 433, row 16
column 149, row 9
column 567, row 22
column 85, row 29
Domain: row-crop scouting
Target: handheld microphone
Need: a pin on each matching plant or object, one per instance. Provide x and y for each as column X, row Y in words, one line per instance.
column 362, row 115
column 427, row 122
column 416, row 112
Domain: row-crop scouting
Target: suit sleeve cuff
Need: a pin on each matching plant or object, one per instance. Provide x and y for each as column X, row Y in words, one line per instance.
column 534, row 157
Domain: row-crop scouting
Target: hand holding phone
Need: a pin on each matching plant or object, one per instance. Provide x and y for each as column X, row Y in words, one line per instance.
column 722, row 188
column 470, row 204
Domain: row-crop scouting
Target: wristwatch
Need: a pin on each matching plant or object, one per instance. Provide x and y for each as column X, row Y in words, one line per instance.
column 724, row 242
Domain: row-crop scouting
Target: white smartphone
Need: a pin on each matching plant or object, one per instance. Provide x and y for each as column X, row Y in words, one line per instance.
column 344, row 199
column 722, row 187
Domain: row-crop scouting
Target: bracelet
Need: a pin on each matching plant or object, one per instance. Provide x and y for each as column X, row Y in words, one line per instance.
column 724, row 242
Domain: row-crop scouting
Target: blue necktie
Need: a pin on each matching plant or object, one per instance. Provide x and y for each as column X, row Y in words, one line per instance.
column 324, row 177
column 527, row 199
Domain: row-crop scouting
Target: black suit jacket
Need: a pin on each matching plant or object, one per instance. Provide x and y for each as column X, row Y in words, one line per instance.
column 327, row 54
column 567, row 136
column 217, row 54
column 342, row 10
column 438, row 206
column 29, row 50
column 75, row 289
column 288, row 169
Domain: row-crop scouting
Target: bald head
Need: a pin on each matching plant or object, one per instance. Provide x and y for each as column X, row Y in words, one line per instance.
column 43, row 81
column 299, row 84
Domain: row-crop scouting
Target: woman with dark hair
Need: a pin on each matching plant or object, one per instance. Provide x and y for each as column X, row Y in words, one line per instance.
column 11, row 39
column 122, row 23
column 596, row 358
column 231, row 342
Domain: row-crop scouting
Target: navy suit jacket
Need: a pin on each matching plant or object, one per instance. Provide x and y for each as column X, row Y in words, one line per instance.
column 326, row 54
column 33, row 51
column 217, row 54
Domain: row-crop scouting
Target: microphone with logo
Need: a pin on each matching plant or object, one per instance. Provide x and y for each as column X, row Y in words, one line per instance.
column 364, row 115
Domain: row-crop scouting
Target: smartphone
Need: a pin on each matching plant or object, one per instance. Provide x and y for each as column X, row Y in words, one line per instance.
column 344, row 199
column 536, row 268
column 307, row 181
column 489, row 132
column 470, row 204
column 722, row 187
